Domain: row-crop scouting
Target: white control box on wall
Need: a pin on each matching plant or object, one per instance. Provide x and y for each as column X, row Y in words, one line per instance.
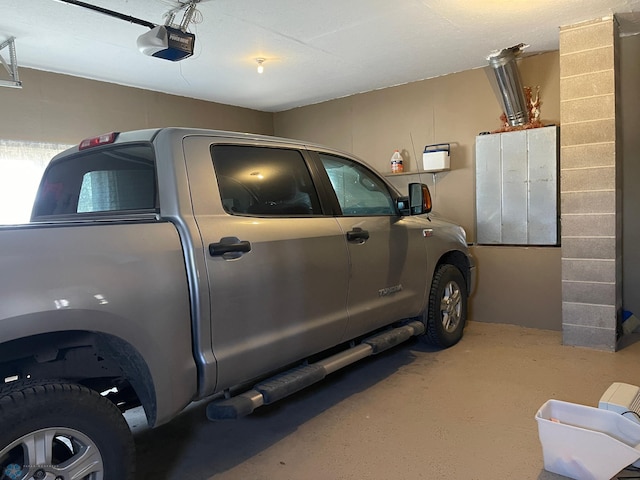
column 436, row 158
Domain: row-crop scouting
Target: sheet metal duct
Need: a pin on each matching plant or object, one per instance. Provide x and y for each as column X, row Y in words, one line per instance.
column 503, row 63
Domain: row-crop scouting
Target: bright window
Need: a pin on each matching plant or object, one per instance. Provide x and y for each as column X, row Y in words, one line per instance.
column 21, row 166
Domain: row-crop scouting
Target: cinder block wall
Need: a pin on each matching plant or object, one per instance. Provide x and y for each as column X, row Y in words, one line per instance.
column 590, row 180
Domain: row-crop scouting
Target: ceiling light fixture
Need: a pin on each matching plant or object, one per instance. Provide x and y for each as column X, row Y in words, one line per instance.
column 260, row 66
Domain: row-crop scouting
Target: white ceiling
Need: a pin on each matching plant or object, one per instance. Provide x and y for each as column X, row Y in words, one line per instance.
column 314, row 50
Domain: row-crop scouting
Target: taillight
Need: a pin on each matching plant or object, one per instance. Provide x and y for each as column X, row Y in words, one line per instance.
column 97, row 141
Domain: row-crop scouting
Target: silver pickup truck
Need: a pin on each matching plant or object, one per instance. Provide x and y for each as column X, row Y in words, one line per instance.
column 166, row 266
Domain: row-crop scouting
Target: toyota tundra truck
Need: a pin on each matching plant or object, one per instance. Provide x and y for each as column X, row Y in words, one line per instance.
column 161, row 267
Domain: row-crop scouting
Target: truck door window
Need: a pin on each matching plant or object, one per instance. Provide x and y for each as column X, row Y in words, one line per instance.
column 264, row 181
column 360, row 192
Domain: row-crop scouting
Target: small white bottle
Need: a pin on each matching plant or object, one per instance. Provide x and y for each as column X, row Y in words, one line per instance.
column 396, row 163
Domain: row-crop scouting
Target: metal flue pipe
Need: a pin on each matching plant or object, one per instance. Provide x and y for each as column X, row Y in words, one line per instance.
column 503, row 63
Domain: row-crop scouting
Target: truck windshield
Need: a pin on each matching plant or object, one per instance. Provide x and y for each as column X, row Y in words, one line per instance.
column 105, row 180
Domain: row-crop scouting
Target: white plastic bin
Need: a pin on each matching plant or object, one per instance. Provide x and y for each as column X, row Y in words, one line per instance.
column 586, row 443
column 436, row 157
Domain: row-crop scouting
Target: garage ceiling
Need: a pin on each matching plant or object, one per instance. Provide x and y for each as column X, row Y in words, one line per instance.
column 314, row 50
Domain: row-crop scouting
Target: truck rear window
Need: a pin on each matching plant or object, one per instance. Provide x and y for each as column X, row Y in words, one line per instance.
column 105, row 180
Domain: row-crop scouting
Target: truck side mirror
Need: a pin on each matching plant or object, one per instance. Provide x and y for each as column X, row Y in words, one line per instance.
column 419, row 198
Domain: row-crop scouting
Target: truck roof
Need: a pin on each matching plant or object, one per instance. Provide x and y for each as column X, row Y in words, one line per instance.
column 149, row 135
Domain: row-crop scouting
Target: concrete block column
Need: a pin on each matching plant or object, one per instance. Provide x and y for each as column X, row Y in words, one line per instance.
column 591, row 209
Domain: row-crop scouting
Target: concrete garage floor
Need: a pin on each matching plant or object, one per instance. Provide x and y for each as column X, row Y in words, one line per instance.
column 410, row 413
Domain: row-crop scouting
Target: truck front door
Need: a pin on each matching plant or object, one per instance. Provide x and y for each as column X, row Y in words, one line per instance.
column 387, row 252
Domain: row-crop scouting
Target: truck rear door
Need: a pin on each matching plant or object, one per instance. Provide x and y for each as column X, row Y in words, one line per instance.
column 277, row 267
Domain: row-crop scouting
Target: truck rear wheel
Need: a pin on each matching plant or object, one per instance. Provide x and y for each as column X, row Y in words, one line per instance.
column 62, row 430
column 446, row 314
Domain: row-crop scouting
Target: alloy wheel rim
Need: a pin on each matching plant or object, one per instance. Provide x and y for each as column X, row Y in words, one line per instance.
column 451, row 307
column 52, row 453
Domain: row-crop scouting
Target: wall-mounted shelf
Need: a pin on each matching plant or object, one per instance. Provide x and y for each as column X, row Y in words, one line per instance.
column 402, row 180
column 389, row 174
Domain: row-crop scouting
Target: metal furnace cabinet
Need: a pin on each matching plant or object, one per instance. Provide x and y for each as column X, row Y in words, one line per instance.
column 517, row 187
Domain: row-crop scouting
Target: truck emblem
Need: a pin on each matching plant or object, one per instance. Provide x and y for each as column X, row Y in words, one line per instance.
column 383, row 292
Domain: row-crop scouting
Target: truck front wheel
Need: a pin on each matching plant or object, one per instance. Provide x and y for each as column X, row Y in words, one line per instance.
column 62, row 431
column 446, row 314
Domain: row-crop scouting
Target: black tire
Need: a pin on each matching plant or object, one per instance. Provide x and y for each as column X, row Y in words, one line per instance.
column 74, row 426
column 446, row 314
